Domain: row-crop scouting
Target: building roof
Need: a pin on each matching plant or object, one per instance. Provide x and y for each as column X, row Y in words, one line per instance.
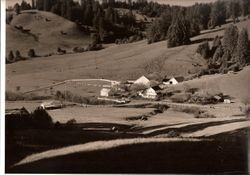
column 179, row 79
column 142, row 80
column 157, row 88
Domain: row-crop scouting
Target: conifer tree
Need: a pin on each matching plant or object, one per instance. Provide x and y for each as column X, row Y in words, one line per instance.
column 243, row 56
column 230, row 40
column 179, row 31
column 218, row 14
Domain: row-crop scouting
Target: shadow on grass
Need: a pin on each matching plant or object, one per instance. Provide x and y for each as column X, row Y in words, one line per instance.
column 201, row 40
column 23, row 142
column 213, row 30
column 173, row 157
column 193, row 127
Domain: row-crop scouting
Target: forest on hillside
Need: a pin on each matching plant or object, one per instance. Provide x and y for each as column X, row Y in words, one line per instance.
column 175, row 23
column 115, row 21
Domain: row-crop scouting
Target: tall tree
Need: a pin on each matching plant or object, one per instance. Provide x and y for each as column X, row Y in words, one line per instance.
column 245, row 7
column 154, row 33
column 218, row 14
column 40, row 4
column 17, row 8
column 69, row 5
column 179, row 31
column 234, row 10
column 230, row 40
column 33, row 4
column 243, row 55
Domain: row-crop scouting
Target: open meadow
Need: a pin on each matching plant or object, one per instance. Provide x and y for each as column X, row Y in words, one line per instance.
column 140, row 88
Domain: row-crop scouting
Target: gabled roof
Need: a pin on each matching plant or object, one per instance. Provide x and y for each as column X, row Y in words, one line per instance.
column 142, row 80
column 166, row 79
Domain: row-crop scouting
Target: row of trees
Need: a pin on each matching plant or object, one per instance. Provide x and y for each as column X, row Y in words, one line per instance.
column 232, row 53
column 176, row 22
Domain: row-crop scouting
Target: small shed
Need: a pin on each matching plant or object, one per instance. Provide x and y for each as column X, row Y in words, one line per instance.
column 227, row 101
column 104, row 92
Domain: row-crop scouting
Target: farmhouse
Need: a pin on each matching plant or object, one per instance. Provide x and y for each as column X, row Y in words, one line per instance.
column 148, row 93
column 104, row 92
column 142, row 80
column 173, row 80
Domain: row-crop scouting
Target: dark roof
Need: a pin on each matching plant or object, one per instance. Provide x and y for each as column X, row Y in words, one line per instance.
column 166, row 79
column 156, row 88
column 179, row 79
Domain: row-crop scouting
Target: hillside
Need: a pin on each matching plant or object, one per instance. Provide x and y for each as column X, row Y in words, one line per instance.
column 234, row 85
column 117, row 62
column 47, row 32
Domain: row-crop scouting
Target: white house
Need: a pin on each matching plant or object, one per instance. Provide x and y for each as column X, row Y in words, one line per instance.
column 148, row 93
column 173, row 80
column 104, row 92
column 142, row 80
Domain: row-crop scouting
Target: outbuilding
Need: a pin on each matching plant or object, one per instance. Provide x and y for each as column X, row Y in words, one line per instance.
column 173, row 80
column 104, row 92
column 148, row 93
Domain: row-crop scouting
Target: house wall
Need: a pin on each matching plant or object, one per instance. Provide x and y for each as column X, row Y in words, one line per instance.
column 172, row 81
column 104, row 92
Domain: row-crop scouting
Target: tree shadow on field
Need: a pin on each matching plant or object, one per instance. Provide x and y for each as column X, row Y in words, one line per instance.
column 201, row 40
column 213, row 30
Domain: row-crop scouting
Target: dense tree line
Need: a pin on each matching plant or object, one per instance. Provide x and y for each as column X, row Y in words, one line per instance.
column 194, row 18
column 110, row 24
column 103, row 17
column 230, row 53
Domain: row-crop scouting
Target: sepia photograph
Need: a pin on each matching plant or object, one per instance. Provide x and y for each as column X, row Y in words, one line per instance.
column 126, row 86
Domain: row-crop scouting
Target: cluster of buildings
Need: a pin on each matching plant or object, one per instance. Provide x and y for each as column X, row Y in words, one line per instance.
column 152, row 88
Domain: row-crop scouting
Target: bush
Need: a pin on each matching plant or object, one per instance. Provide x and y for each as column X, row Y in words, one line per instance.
column 204, row 115
column 61, row 51
column 41, row 119
column 180, row 98
column 18, row 96
column 18, row 55
column 10, row 58
column 192, row 90
column 78, row 49
column 204, row 50
column 247, row 111
column 94, row 47
column 31, row 53
column 186, row 109
column 138, row 87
